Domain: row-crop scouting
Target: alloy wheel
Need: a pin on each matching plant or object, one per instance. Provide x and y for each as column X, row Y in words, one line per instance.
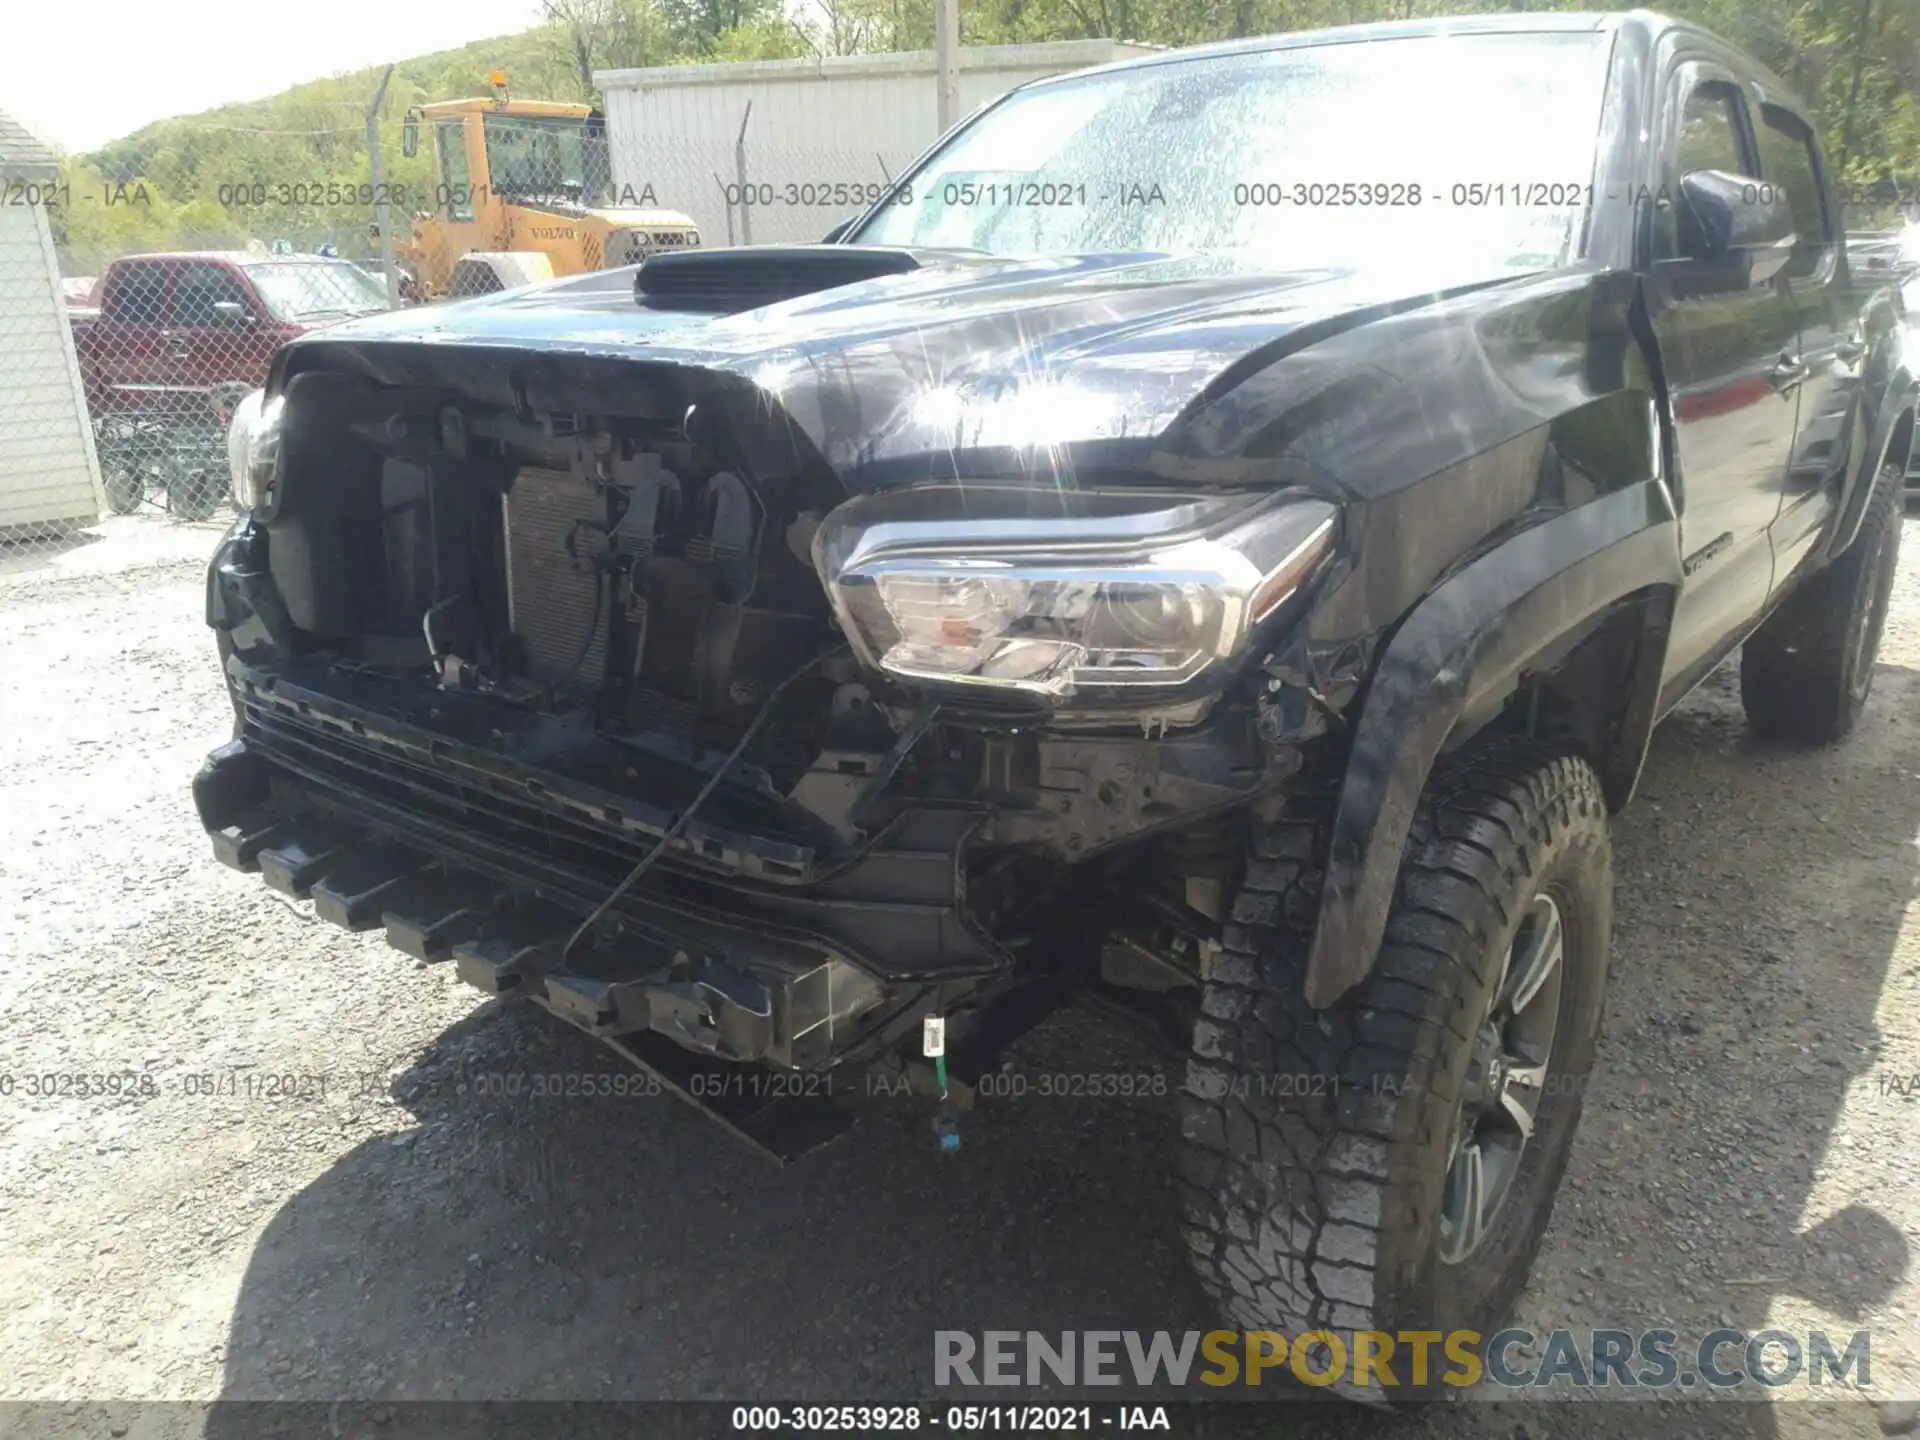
column 1506, row 1080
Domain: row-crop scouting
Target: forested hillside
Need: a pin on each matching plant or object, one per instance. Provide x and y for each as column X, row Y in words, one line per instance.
column 194, row 180
column 191, row 182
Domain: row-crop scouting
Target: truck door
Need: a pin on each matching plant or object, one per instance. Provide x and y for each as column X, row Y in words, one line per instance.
column 1729, row 349
column 453, row 232
column 129, row 357
column 215, row 343
column 1832, row 345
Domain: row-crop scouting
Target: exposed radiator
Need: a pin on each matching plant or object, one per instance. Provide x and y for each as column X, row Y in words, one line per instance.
column 550, row 595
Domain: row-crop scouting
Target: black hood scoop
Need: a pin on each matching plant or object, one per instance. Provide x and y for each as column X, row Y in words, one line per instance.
column 724, row 282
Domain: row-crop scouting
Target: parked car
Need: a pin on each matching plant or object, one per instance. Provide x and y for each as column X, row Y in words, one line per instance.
column 788, row 663
column 1880, row 254
column 172, row 337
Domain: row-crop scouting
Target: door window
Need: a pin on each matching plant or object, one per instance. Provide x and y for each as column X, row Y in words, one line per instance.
column 197, row 289
column 1711, row 127
column 455, row 177
column 1710, row 130
column 138, row 294
column 1787, row 155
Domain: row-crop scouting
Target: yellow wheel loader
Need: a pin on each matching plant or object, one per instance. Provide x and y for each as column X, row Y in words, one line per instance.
column 523, row 191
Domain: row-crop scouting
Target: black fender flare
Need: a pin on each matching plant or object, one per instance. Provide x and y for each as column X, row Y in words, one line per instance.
column 1459, row 652
column 1896, row 402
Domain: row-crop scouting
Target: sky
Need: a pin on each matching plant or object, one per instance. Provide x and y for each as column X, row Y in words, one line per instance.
column 122, row 63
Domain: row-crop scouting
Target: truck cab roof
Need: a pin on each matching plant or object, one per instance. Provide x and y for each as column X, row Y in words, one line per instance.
column 241, row 258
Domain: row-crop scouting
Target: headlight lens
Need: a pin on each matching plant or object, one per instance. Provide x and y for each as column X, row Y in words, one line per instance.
column 1103, row 589
column 253, row 448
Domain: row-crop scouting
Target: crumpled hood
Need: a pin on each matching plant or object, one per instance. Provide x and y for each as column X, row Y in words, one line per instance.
column 972, row 353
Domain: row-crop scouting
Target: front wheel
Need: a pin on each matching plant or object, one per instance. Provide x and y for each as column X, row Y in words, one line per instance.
column 1390, row 1163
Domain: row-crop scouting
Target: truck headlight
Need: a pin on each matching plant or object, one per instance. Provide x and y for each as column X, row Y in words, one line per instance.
column 1048, row 592
column 253, row 448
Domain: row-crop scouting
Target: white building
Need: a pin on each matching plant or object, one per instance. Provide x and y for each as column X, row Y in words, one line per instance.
column 49, row 478
column 783, row 150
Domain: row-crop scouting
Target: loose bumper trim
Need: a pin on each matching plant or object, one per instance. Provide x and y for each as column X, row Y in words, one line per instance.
column 687, row 996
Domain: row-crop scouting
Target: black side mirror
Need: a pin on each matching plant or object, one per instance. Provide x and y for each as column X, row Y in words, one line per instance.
column 231, row 312
column 1733, row 228
column 839, row 232
column 410, row 135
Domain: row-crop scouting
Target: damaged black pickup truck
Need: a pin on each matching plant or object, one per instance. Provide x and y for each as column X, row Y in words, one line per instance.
column 1213, row 542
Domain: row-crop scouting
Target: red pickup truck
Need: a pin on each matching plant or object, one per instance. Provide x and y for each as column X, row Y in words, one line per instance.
column 176, row 339
column 169, row 326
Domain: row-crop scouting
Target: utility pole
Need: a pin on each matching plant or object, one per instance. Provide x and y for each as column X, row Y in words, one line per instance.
column 946, row 61
column 380, row 193
column 740, row 177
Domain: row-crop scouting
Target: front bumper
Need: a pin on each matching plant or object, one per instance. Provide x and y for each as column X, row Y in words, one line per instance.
column 682, row 990
column 721, row 981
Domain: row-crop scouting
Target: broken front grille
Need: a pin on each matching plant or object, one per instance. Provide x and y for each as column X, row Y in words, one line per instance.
column 553, row 817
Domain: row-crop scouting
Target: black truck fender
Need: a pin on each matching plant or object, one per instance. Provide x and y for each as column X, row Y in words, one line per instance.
column 1890, row 428
column 1459, row 654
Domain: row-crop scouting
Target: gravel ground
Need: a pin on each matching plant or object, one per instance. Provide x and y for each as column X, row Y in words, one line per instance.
column 389, row 1231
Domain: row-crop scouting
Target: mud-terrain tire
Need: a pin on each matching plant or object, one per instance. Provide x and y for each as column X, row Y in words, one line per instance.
column 1318, row 1147
column 1805, row 674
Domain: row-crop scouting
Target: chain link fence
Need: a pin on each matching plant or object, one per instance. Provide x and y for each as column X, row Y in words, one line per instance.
column 145, row 289
column 170, row 345
column 744, row 177
column 49, row 485
column 145, row 286
column 142, row 295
